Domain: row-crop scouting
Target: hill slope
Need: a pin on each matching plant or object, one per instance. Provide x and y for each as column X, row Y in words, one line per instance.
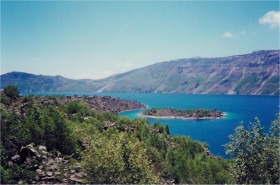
column 30, row 82
column 254, row 73
column 61, row 140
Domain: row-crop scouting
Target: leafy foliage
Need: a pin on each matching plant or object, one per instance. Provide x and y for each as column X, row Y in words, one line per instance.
column 111, row 149
column 187, row 163
column 11, row 91
column 118, row 158
column 188, row 113
column 256, row 154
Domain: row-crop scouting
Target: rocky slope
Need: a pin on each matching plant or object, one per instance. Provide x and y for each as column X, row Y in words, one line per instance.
column 255, row 73
column 96, row 103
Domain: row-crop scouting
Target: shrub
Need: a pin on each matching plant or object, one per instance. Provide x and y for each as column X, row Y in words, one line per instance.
column 255, row 154
column 118, row 158
column 11, row 91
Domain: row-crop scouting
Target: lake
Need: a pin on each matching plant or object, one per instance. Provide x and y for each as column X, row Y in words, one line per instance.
column 214, row 132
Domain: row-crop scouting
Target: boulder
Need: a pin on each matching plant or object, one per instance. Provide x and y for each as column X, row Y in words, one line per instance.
column 15, row 158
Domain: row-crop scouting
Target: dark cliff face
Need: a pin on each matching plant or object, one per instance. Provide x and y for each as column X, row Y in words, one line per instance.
column 254, row 73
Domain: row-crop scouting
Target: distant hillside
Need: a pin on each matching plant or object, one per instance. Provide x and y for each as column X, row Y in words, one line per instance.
column 254, row 73
column 30, row 82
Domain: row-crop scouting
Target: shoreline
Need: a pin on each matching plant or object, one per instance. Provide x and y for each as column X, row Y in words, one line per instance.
column 180, row 117
column 130, row 110
column 146, row 106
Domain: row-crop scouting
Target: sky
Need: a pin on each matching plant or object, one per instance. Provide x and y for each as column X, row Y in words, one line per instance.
column 96, row 39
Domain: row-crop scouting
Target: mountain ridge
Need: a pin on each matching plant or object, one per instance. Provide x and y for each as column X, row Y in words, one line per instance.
column 254, row 73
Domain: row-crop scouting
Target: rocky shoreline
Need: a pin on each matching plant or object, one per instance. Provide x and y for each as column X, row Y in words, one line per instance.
column 106, row 103
column 170, row 113
column 96, row 103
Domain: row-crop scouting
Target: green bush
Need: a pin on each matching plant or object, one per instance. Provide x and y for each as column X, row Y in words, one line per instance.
column 11, row 91
column 255, row 154
column 5, row 100
column 118, row 158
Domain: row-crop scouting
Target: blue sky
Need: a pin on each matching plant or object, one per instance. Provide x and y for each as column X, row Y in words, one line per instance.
column 95, row 39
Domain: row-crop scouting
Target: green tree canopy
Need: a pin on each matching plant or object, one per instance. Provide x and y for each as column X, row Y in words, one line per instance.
column 11, row 91
column 256, row 154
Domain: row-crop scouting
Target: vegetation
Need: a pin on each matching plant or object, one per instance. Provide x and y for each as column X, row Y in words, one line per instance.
column 255, row 154
column 112, row 149
column 11, row 91
column 187, row 114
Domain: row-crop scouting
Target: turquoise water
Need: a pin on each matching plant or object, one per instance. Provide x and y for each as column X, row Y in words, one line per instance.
column 214, row 132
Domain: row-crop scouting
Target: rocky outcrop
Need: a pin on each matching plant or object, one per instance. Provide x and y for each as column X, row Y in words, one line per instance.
column 97, row 103
column 49, row 167
column 106, row 103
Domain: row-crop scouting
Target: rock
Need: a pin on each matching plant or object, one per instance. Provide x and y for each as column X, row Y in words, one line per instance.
column 44, row 157
column 10, row 163
column 15, row 158
column 54, row 167
column 170, row 181
column 50, row 162
column 72, row 171
column 75, row 179
column 42, row 174
column 49, row 173
column 29, row 151
column 87, row 118
column 72, row 176
column 80, row 174
column 39, row 171
column 42, row 149
column 65, row 181
column 57, row 173
column 60, row 159
column 49, row 178
column 33, row 149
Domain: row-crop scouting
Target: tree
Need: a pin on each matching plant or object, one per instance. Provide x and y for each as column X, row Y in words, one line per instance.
column 11, row 91
column 272, row 152
column 117, row 158
column 255, row 154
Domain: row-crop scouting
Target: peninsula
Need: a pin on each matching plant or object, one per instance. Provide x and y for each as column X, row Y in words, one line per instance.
column 170, row 113
column 108, row 104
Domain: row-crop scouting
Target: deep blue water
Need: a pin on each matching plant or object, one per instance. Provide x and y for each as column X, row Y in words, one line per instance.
column 214, row 132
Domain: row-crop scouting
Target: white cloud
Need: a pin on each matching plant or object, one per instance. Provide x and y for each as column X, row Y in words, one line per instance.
column 124, row 65
column 228, row 35
column 271, row 18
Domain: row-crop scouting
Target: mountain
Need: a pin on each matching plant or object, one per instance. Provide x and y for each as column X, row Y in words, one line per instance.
column 41, row 83
column 254, row 73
